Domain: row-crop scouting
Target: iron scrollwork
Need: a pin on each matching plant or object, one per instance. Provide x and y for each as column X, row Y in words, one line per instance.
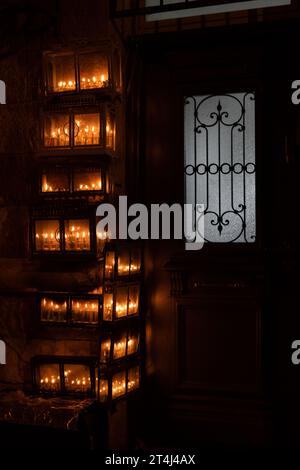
column 220, row 164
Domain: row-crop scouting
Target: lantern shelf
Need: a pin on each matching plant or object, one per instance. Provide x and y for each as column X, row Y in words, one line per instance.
column 55, row 375
column 119, row 345
column 118, row 382
column 121, row 302
column 70, row 309
column 68, row 181
column 97, row 69
column 81, row 128
column 66, row 231
column 122, row 262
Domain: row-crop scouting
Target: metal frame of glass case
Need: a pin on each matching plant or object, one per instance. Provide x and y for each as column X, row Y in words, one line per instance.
column 78, row 128
column 119, row 345
column 70, row 309
column 71, row 76
column 118, row 382
column 121, row 302
column 57, row 375
column 51, row 237
column 122, row 262
column 61, row 180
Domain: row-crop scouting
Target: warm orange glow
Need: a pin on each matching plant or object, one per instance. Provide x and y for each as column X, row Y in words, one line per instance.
column 85, row 311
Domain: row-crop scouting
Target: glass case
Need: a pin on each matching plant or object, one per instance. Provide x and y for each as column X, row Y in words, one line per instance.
column 64, row 375
column 95, row 127
column 67, row 181
column 114, row 384
column 64, row 236
column 122, row 262
column 120, row 302
column 70, row 309
column 119, row 345
column 75, row 71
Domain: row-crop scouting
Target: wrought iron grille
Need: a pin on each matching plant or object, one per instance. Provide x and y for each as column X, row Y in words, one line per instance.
column 220, row 164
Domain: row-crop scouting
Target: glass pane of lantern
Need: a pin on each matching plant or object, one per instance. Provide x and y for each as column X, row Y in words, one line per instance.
column 93, row 69
column 135, row 262
column 105, row 350
column 53, row 310
column 88, row 180
column 47, row 235
column 85, row 310
column 77, row 378
column 120, row 346
column 109, row 264
column 87, row 129
column 49, row 377
column 103, row 390
column 123, row 262
column 54, row 182
column 107, row 307
column 118, row 385
column 57, row 130
column 133, row 379
column 110, row 131
column 133, row 302
column 121, row 302
column 61, row 73
column 132, row 343
column 77, row 235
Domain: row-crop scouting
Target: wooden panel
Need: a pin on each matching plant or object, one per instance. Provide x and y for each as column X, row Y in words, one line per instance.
column 218, row 345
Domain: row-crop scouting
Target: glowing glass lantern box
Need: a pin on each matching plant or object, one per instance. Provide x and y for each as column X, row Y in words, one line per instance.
column 122, row 262
column 64, row 235
column 119, row 345
column 96, row 127
column 69, row 71
column 66, row 181
column 64, row 375
column 70, row 309
column 114, row 384
column 120, row 302
column 85, row 310
column 60, row 73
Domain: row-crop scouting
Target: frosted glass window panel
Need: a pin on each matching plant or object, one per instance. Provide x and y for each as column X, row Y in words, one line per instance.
column 220, row 164
column 219, row 6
